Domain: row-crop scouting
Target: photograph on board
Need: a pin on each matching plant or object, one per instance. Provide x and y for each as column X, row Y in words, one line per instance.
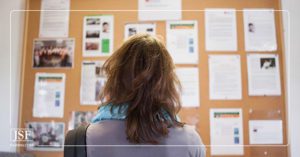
column 92, row 46
column 267, row 63
column 132, row 31
column 93, row 21
column 46, row 136
column 105, row 27
column 53, row 53
column 92, row 34
column 251, row 28
column 135, row 28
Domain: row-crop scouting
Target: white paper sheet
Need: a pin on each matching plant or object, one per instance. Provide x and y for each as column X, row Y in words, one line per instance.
column 49, row 93
column 54, row 19
column 93, row 80
column 226, row 131
column 220, row 30
column 189, row 79
column 135, row 28
column 265, row 132
column 225, row 77
column 182, row 41
column 98, row 36
column 263, row 74
column 153, row 10
column 259, row 28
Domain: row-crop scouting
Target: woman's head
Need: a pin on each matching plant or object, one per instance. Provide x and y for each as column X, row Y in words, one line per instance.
column 141, row 74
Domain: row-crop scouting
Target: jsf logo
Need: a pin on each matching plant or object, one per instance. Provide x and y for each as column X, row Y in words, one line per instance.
column 21, row 134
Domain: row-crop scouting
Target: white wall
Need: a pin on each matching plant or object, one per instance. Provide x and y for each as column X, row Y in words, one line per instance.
column 292, row 44
column 10, row 84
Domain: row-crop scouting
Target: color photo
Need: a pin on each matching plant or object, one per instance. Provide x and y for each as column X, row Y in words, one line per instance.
column 53, row 53
column 46, row 136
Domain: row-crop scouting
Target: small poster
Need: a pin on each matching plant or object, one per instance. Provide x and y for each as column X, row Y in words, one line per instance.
column 265, row 132
column 220, row 30
column 189, row 79
column 53, row 53
column 135, row 28
column 54, row 19
column 182, row 41
column 153, row 10
column 79, row 118
column 49, row 93
column 93, row 79
column 225, row 80
column 45, row 136
column 260, row 31
column 226, row 131
column 98, row 35
column 263, row 74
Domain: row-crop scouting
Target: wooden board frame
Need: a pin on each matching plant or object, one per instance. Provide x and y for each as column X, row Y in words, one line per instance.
column 193, row 10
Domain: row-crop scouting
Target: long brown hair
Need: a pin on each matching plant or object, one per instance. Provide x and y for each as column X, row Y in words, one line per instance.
column 141, row 74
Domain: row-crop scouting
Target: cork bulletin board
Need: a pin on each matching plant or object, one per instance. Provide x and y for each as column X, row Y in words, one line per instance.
column 197, row 116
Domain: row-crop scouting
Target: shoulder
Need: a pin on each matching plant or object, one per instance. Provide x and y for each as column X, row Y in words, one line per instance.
column 106, row 126
column 186, row 135
column 106, row 132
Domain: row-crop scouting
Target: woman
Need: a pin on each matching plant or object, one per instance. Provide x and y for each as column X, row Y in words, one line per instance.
column 138, row 118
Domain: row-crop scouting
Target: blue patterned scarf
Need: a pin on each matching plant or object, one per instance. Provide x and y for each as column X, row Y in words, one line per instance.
column 108, row 112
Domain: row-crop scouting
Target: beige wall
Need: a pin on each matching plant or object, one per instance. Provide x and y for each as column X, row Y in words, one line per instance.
column 292, row 44
column 9, row 68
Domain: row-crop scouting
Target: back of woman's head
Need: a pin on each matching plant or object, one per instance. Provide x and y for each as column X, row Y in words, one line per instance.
column 141, row 74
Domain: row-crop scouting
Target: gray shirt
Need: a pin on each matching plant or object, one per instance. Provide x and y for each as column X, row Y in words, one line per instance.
column 108, row 139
